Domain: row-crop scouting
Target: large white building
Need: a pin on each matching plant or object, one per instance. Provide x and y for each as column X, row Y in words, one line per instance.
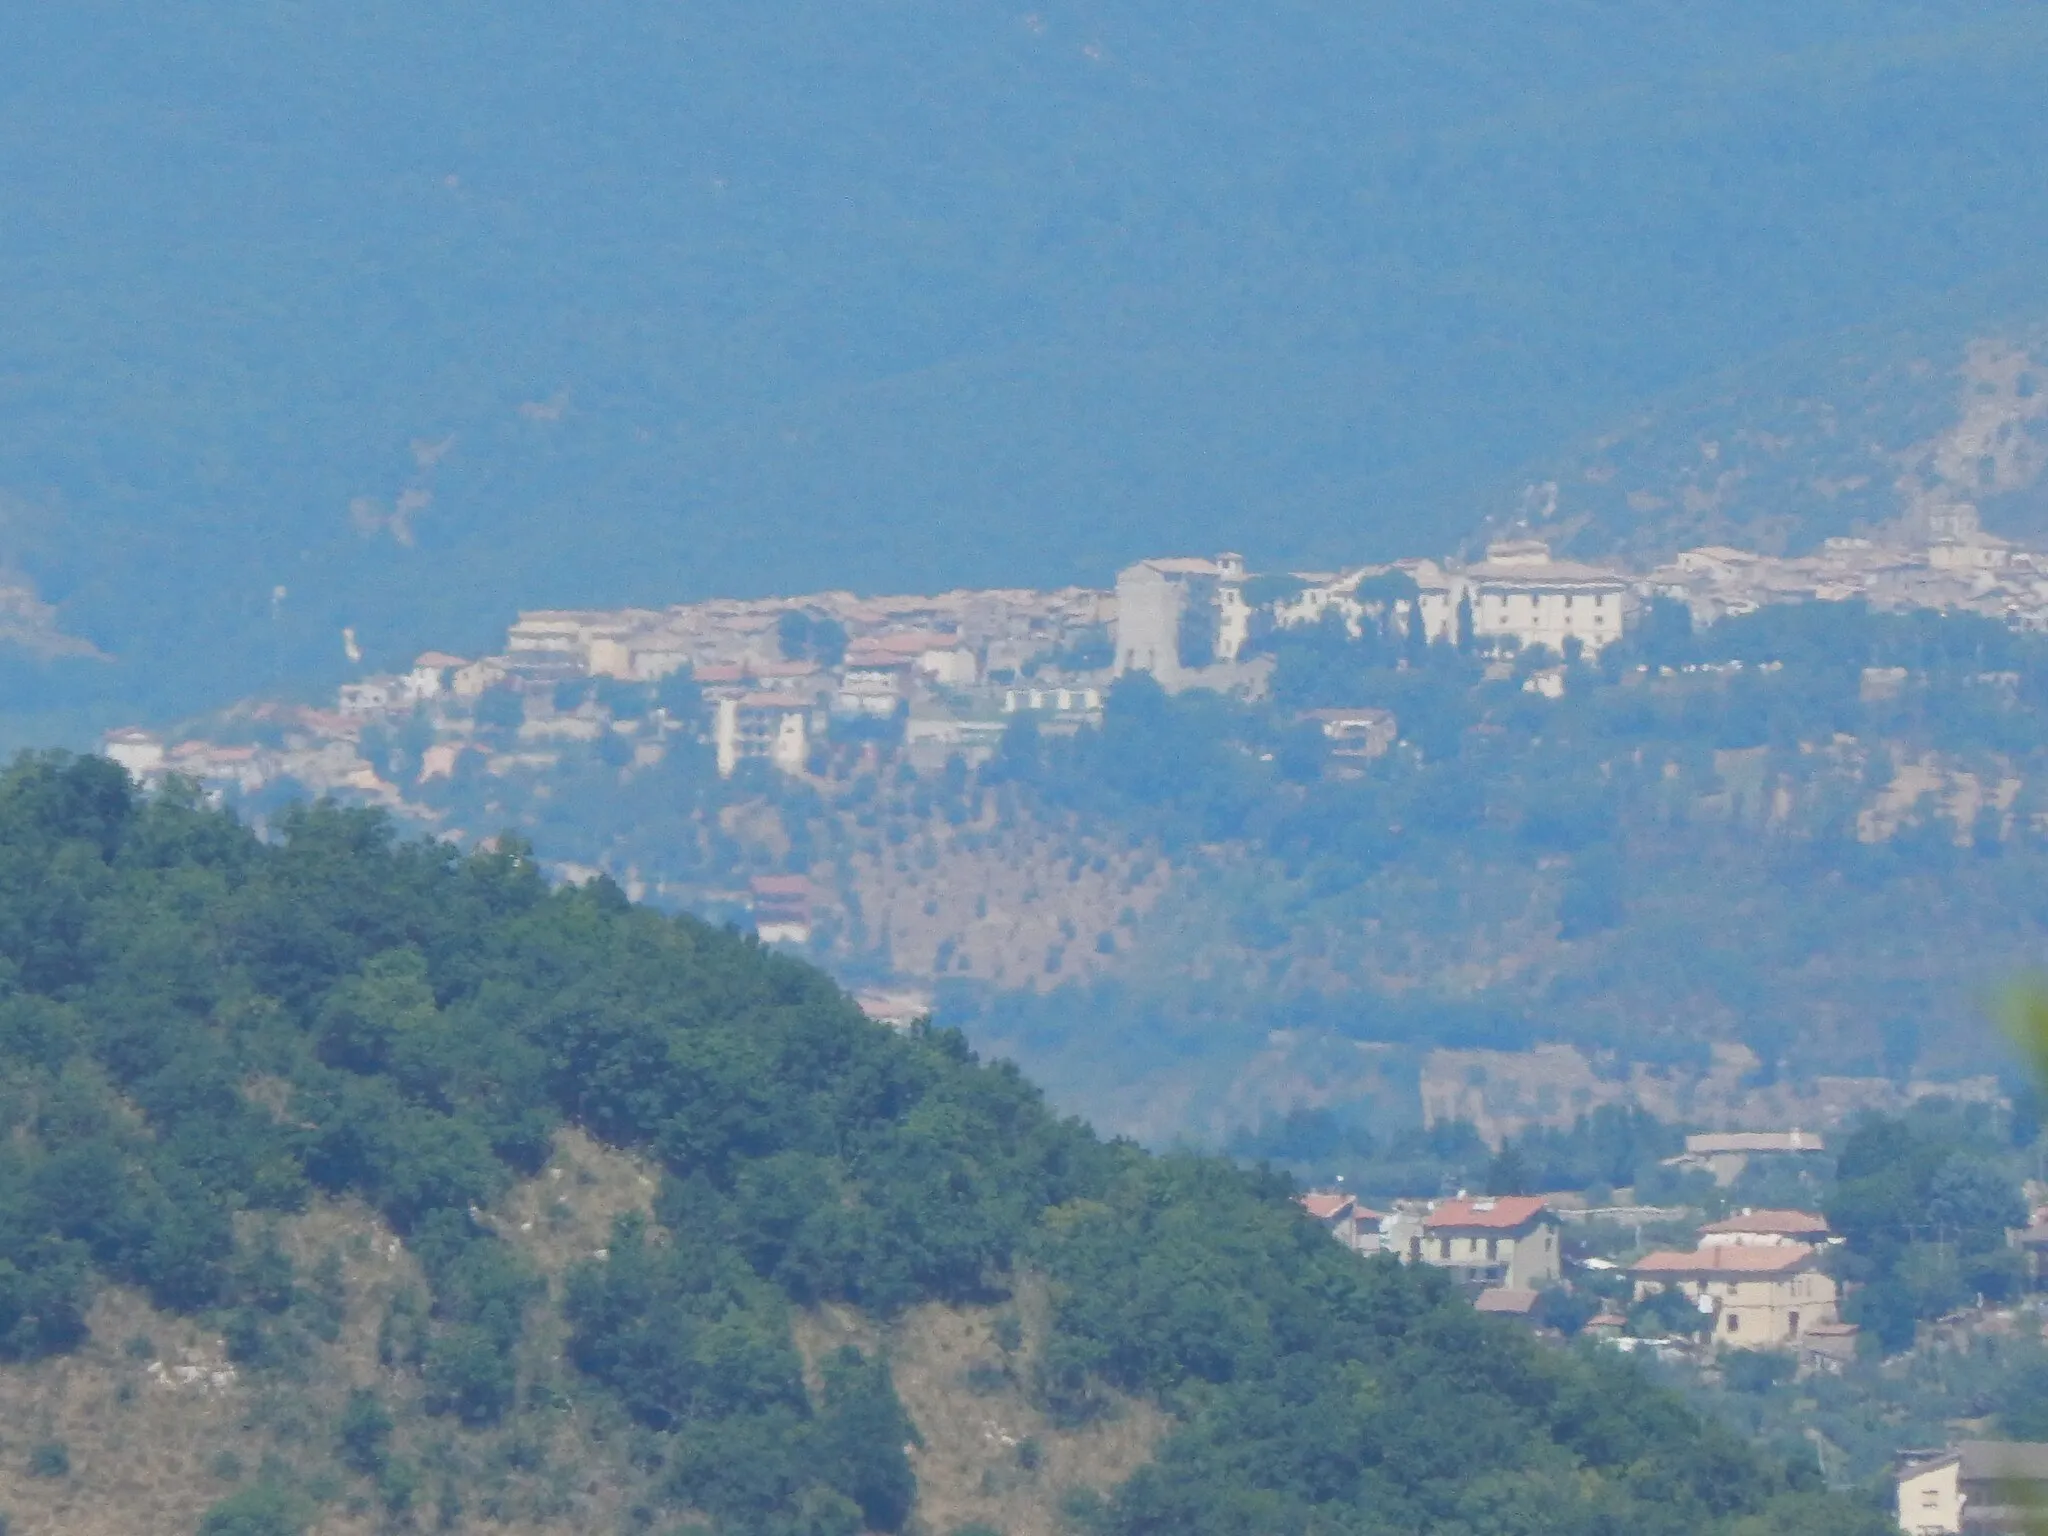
column 773, row 727
column 1518, row 592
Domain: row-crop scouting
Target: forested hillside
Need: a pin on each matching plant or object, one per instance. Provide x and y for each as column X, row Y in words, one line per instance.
column 400, row 317
column 1852, row 435
column 1814, row 831
column 1765, row 869
column 203, row 1033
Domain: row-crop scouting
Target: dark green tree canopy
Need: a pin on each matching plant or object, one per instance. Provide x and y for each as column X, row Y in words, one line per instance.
column 423, row 1019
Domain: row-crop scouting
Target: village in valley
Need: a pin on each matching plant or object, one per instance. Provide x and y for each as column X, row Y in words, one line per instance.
column 787, row 692
column 1753, row 1291
column 779, row 677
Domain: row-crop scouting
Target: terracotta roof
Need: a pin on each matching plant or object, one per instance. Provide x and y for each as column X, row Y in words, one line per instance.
column 438, row 659
column 1728, row 1259
column 1776, row 1223
column 1501, row 1298
column 792, row 702
column 781, row 885
column 1607, row 1320
column 719, row 672
column 1495, row 1214
column 1325, row 1206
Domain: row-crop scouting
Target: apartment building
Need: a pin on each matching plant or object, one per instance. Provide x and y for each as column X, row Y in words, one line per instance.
column 1759, row 1296
column 1504, row 1240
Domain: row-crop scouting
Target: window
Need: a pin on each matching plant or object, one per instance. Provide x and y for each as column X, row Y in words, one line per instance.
column 1492, row 1248
column 1734, row 1322
column 1414, row 1247
column 1444, row 1247
column 1792, row 1323
column 1930, row 1497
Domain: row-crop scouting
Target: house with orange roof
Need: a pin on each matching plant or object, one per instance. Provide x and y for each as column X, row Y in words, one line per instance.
column 1353, row 1224
column 1759, row 1296
column 1492, row 1240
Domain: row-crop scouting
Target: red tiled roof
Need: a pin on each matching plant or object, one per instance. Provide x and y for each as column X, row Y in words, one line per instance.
column 1324, row 1207
column 1777, row 1223
column 781, row 885
column 1726, row 1260
column 1495, row 1215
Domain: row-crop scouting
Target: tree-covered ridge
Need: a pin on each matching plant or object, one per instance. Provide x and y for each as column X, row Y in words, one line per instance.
column 195, row 1023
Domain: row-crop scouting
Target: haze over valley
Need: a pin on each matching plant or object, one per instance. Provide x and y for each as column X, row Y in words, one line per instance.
column 1087, row 769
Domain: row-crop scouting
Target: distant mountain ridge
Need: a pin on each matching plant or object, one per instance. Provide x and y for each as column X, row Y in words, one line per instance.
column 1875, row 435
column 400, row 320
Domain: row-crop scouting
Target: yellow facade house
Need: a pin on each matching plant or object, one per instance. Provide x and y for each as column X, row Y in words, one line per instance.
column 1760, row 1297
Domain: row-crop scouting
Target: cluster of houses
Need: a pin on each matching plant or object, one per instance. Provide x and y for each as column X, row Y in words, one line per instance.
column 947, row 674
column 1756, row 1278
column 1956, row 566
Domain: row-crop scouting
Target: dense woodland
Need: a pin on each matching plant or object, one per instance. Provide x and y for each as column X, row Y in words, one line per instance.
column 196, row 1023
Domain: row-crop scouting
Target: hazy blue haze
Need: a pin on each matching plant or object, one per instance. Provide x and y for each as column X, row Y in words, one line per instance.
column 904, row 294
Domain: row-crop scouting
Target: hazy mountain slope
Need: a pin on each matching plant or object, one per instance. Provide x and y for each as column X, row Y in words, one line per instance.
column 420, row 315
column 1853, row 434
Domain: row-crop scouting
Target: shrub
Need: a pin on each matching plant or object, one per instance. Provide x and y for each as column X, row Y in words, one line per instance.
column 264, row 1510
column 365, row 1434
column 52, row 1458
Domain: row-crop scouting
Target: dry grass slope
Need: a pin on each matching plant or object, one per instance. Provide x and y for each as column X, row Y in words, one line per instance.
column 156, row 1424
column 989, row 1456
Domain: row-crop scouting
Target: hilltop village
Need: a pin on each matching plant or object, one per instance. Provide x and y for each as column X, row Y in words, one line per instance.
column 771, row 679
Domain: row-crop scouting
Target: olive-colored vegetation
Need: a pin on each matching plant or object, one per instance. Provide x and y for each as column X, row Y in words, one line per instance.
column 203, row 1032
column 1813, row 830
